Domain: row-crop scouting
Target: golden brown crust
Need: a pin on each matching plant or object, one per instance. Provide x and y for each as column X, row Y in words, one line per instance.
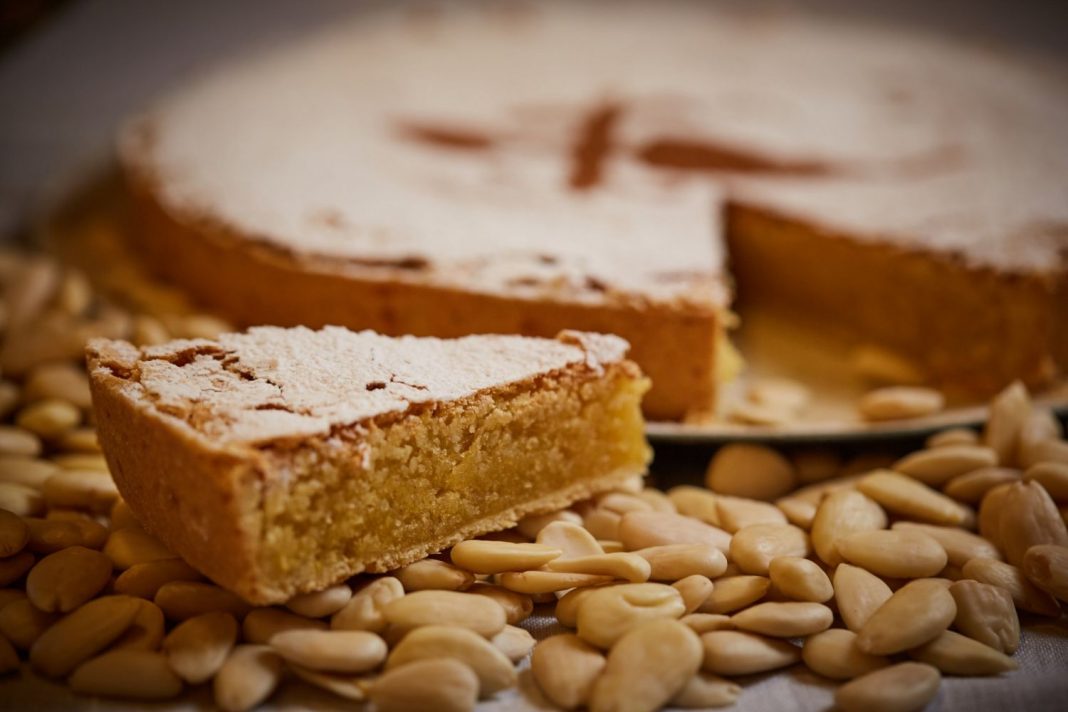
column 201, row 501
column 254, row 284
column 971, row 329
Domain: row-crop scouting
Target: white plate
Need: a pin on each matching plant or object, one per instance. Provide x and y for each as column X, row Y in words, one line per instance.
column 778, row 347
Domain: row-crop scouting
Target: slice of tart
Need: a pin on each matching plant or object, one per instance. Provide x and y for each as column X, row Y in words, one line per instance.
column 279, row 461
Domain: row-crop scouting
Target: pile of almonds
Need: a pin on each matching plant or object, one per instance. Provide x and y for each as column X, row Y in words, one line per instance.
column 884, row 579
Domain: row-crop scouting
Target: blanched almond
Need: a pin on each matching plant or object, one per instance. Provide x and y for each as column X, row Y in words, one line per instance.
column 696, row 502
column 732, row 593
column 953, row 436
column 1024, row 594
column 602, row 523
column 344, row 686
column 694, row 590
column 858, row 594
column 566, row 668
column 750, row 471
column 1053, row 476
column 799, row 512
column 445, row 685
column 29, row 471
column 705, row 690
column 834, row 654
column 483, row 556
column 14, row 567
column 671, row 562
column 516, row 605
column 608, row 613
column 22, row 623
column 81, row 634
column 92, row 533
column 905, row 687
column 939, row 465
column 989, row 517
column 515, row 642
column 494, row 670
column 568, row 605
column 197, row 648
column 341, row 651
column 754, row 547
column 262, row 624
column 971, row 487
column 180, row 600
column 366, row 609
column 319, row 604
column 81, row 489
column 800, row 579
column 21, row 500
column 911, row 499
column 657, row 500
column 14, row 534
column 915, row 614
column 133, row 674
column 422, row 608
column 626, row 566
column 1009, row 412
column 48, row 536
column 62, row 581
column 647, row 667
column 19, row 442
column 532, row 524
column 899, row 402
column 791, row 619
column 621, row 502
column 731, row 652
column 894, row 553
column 986, row 613
column 960, row 546
column 705, row 622
column 145, row 631
column 536, row 582
column 49, row 418
column 883, row 365
column 840, row 514
column 145, row 580
column 132, row 545
column 248, row 677
column 572, row 540
column 1046, row 566
column 736, row 513
column 955, row 654
column 640, row 530
column 1028, row 518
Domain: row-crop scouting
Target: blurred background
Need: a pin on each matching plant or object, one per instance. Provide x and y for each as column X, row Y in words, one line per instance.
column 71, row 69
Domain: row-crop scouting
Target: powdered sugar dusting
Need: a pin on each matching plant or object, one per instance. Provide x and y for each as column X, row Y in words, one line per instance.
column 272, row 384
column 893, row 138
